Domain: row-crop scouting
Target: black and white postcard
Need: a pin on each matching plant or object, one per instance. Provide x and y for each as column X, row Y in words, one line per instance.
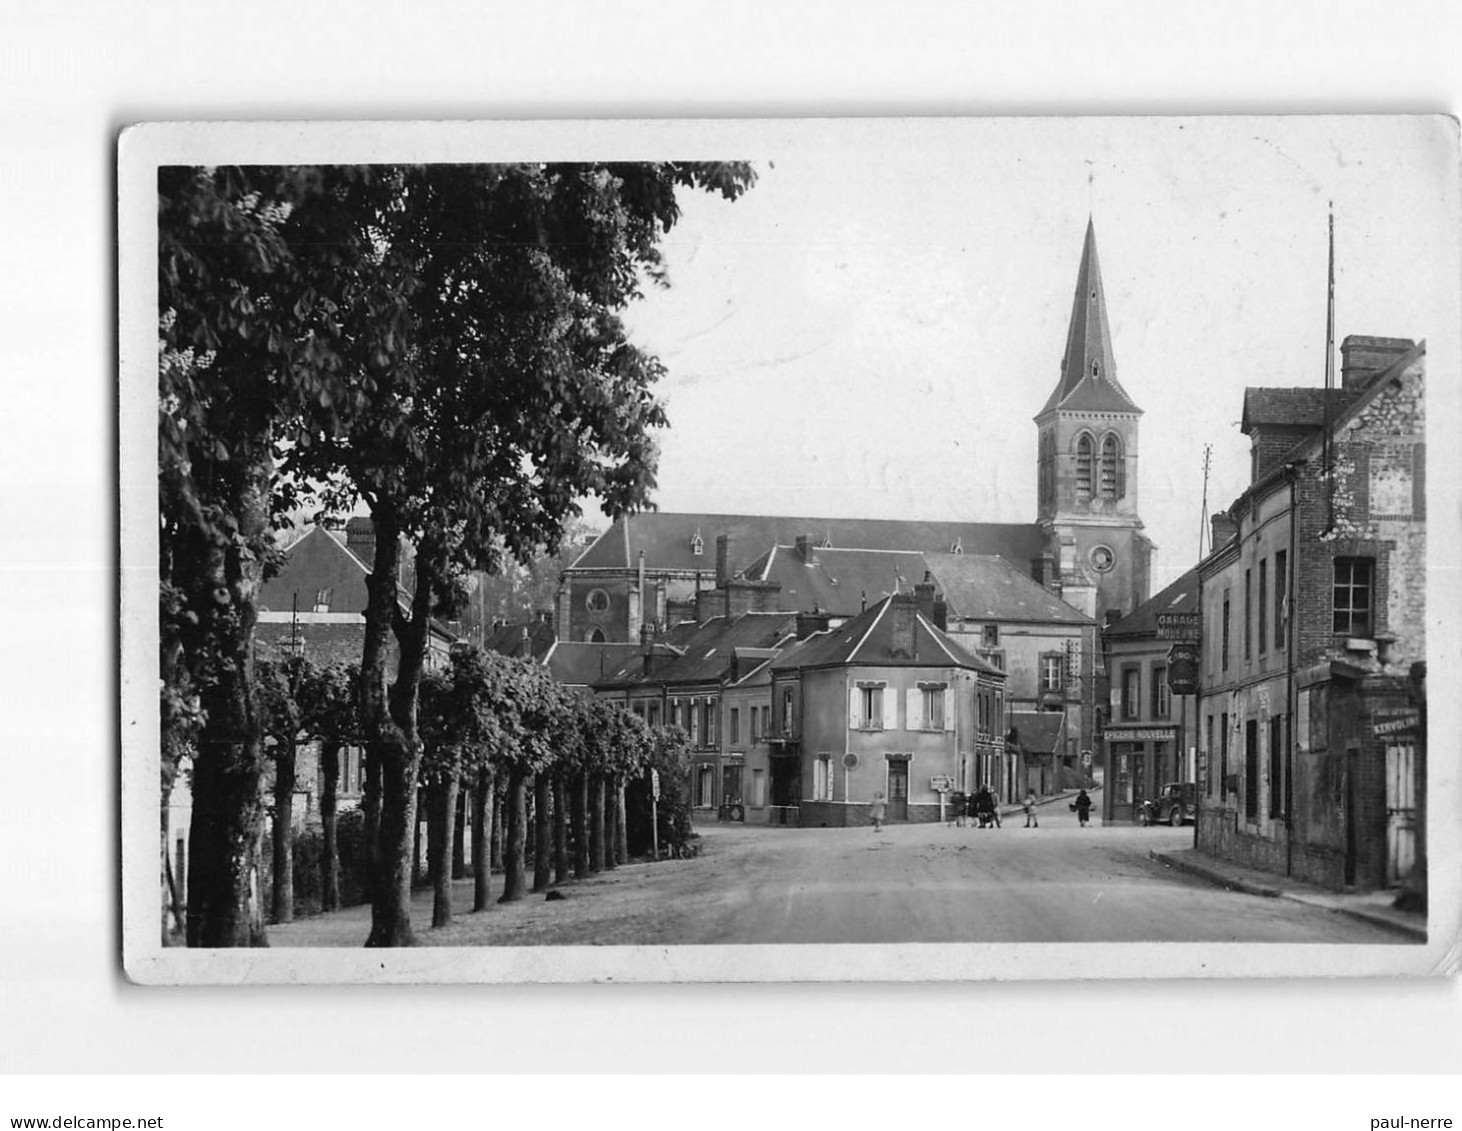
column 887, row 549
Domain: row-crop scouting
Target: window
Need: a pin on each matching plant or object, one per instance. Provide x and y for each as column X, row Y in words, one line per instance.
column 1111, row 467
column 1161, row 696
column 786, row 710
column 1281, row 589
column 322, row 600
column 1052, row 664
column 1083, row 468
column 1223, row 752
column 755, row 725
column 766, row 720
column 709, row 728
column 1263, row 606
column 822, row 779
column 990, row 635
column 697, row 544
column 1131, row 692
column 1353, row 592
column 1248, row 617
column 735, row 725
column 705, row 792
column 654, row 717
column 692, row 720
column 639, row 709
column 1251, row 770
column 596, row 636
column 871, row 707
column 1225, row 629
column 932, row 707
column 1208, row 749
column 1276, row 766
column 597, row 601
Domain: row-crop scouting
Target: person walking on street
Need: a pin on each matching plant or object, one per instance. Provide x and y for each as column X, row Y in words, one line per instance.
column 1030, row 810
column 875, row 810
column 1082, row 805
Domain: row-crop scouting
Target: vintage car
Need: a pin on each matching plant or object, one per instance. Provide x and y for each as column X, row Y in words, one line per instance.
column 1178, row 802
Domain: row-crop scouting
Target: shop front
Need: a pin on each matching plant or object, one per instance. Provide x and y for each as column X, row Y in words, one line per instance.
column 1140, row 761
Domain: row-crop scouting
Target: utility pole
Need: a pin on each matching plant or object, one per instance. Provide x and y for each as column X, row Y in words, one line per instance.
column 1203, row 517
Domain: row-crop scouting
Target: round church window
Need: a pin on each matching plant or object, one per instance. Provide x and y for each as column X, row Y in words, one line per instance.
column 597, row 601
column 1102, row 559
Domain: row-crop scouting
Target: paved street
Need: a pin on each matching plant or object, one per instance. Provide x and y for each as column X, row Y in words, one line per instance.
column 909, row 883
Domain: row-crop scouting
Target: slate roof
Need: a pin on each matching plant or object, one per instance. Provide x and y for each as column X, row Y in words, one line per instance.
column 1179, row 597
column 841, row 582
column 867, row 640
column 1088, row 342
column 665, row 538
column 578, row 663
column 1292, row 408
column 700, row 653
column 986, row 587
column 507, row 639
column 1037, row 732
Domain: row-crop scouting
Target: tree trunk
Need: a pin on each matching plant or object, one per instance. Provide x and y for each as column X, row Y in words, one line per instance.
column 560, row 828
column 580, row 791
column 621, row 824
column 611, row 822
column 444, row 820
column 482, row 807
column 596, row 823
column 459, row 840
column 515, row 806
column 499, row 826
column 542, row 831
column 228, row 812
column 390, row 727
column 370, row 807
column 417, row 875
column 286, row 759
column 329, row 842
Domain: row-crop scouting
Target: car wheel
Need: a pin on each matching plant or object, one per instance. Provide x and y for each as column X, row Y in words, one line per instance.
column 1175, row 818
column 1144, row 818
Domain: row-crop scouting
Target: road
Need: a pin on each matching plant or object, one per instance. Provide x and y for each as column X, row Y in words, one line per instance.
column 908, row 883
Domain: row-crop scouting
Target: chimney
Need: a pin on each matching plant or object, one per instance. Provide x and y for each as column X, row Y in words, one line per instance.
column 647, row 646
column 360, row 539
column 1111, row 617
column 805, row 551
column 1224, row 530
column 924, row 597
column 525, row 642
column 905, row 624
column 744, row 596
column 1361, row 357
column 545, row 616
column 724, row 542
column 709, row 603
column 565, row 609
column 941, row 615
column 808, row 623
column 1043, row 570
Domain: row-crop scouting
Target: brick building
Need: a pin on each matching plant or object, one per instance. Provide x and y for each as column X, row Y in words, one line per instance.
column 1313, row 604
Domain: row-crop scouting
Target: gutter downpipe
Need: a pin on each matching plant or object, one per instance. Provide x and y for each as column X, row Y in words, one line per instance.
column 1289, row 635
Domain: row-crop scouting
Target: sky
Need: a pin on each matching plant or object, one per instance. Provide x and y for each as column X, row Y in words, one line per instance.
column 871, row 329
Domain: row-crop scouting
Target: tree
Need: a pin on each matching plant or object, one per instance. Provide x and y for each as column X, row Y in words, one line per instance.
column 277, row 684
column 326, row 699
column 442, row 734
column 493, row 385
column 241, row 360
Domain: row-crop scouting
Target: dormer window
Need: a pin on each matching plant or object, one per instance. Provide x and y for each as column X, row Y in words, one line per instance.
column 697, row 544
column 1094, row 372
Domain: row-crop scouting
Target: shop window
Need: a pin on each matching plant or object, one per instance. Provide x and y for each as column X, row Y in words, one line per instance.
column 1353, row 604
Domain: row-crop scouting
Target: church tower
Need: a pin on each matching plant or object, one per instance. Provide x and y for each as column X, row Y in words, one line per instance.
column 1087, row 463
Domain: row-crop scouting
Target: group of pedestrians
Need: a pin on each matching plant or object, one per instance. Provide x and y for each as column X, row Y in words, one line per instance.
column 982, row 809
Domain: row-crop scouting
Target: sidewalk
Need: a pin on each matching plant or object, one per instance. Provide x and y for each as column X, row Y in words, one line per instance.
column 1374, row 907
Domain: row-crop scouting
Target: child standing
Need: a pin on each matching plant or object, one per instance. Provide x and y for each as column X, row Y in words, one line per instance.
column 1030, row 810
column 875, row 810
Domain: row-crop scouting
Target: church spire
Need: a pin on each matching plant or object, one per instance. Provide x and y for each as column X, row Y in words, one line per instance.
column 1088, row 371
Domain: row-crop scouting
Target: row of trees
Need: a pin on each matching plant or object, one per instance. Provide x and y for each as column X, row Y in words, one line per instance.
column 439, row 344
column 496, row 727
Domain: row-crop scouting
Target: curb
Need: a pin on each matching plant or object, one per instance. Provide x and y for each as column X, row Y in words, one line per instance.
column 1233, row 883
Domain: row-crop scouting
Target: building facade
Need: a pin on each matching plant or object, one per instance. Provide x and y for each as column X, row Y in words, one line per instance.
column 1314, row 642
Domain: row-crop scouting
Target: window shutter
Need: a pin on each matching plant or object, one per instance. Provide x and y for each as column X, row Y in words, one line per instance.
column 855, row 708
column 914, row 709
column 948, row 698
column 890, row 709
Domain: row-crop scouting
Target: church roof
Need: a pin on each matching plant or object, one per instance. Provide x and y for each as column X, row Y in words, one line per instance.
column 1088, row 371
column 666, row 538
column 841, row 582
column 985, row 587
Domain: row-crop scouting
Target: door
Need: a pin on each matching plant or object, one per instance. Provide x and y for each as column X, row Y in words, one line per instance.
column 1400, row 812
column 898, row 791
column 731, row 785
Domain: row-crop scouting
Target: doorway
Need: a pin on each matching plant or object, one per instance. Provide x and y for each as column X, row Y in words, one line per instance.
column 898, row 791
column 1400, row 813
